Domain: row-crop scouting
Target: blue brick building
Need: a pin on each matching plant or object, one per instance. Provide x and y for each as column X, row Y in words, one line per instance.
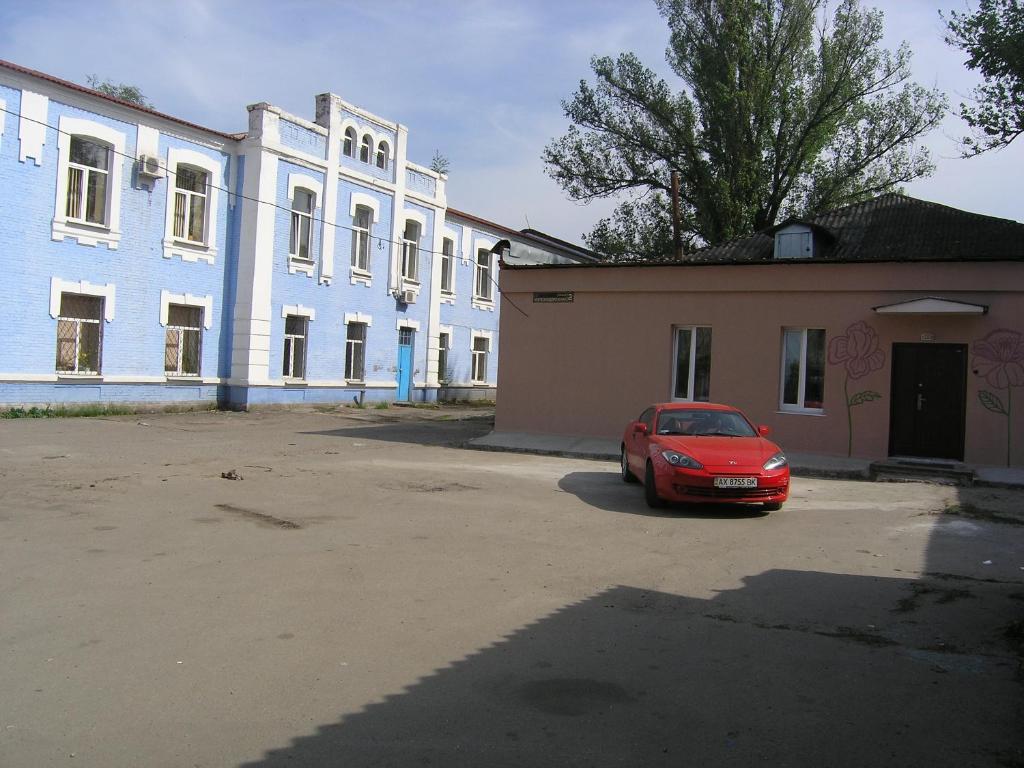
column 151, row 260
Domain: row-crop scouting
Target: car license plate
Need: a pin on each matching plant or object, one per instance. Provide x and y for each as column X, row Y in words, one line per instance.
column 735, row 482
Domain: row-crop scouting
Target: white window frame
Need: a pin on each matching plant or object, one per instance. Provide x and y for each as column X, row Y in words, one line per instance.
column 204, row 303
column 186, row 196
column 361, row 240
column 350, row 137
column 181, row 331
column 478, row 271
column 78, row 335
column 443, row 335
column 288, row 349
column 475, row 365
column 448, row 266
column 188, row 250
column 295, row 227
column 350, row 346
column 108, row 233
column 366, row 149
column 411, row 252
column 799, row 406
column 383, row 154
column 692, row 368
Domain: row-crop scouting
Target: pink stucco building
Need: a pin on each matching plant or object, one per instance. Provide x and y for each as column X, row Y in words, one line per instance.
column 891, row 328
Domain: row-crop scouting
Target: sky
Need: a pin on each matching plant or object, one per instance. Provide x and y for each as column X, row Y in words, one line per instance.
column 481, row 81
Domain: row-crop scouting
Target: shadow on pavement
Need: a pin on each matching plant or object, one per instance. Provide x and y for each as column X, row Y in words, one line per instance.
column 605, row 490
column 435, row 432
column 793, row 668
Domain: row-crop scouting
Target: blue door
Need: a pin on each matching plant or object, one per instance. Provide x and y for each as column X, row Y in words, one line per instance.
column 405, row 338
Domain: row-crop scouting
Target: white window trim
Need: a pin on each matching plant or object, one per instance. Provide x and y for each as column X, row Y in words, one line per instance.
column 473, row 336
column 421, row 219
column 692, row 369
column 447, row 296
column 296, row 181
column 188, row 251
column 89, row 234
column 785, row 407
column 403, row 323
column 358, row 317
column 188, row 300
column 59, row 286
column 298, row 310
column 302, row 181
column 369, row 201
column 478, row 301
column 357, row 275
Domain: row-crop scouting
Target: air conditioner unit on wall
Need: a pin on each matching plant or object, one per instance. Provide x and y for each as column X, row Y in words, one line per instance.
column 408, row 297
column 149, row 165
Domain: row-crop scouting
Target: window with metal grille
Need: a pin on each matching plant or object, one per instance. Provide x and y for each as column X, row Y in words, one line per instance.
column 411, row 251
column 295, row 336
column 191, row 185
column 183, row 340
column 482, row 287
column 803, row 369
column 692, row 374
column 361, row 238
column 447, row 264
column 481, row 346
column 302, row 224
column 88, row 173
column 355, row 351
column 443, row 345
column 79, row 333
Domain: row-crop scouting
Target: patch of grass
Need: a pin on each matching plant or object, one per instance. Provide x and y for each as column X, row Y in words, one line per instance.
column 357, row 405
column 979, row 513
column 325, row 408
column 63, row 411
column 381, row 406
column 469, row 403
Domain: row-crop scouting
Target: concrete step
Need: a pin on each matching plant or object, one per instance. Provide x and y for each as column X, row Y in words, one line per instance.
column 949, row 473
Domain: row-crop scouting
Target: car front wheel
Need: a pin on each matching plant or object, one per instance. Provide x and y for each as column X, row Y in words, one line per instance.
column 654, row 501
column 627, row 475
column 774, row 506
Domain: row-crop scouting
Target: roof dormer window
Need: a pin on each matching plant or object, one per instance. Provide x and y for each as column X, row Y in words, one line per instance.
column 794, row 242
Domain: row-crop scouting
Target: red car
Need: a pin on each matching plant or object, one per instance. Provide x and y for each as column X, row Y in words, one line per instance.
column 703, row 452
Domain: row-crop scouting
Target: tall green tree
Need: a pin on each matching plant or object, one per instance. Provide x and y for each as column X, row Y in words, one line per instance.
column 784, row 109
column 122, row 91
column 993, row 39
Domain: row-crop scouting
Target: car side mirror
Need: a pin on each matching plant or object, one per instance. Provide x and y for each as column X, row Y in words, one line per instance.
column 640, row 428
column 764, row 430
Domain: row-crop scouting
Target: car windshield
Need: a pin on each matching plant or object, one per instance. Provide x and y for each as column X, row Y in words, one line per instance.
column 700, row 423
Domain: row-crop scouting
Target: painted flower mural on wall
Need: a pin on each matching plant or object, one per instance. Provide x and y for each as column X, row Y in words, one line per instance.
column 999, row 359
column 858, row 350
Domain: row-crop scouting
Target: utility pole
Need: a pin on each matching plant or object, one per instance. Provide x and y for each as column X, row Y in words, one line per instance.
column 677, row 236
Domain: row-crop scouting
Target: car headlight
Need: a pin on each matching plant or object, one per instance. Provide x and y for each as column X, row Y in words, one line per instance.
column 776, row 462
column 677, row 459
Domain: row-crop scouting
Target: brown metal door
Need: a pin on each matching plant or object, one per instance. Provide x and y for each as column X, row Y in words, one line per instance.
column 929, row 384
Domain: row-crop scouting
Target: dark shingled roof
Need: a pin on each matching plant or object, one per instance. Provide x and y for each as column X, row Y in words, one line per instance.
column 890, row 227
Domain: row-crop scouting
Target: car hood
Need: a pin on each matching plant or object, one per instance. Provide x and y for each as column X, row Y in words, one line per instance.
column 732, row 453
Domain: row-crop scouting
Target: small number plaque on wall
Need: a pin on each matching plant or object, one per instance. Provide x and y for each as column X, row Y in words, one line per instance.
column 553, row 297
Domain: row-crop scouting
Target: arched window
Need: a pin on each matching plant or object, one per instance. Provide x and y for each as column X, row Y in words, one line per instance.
column 382, row 155
column 411, row 250
column 365, row 148
column 349, row 147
